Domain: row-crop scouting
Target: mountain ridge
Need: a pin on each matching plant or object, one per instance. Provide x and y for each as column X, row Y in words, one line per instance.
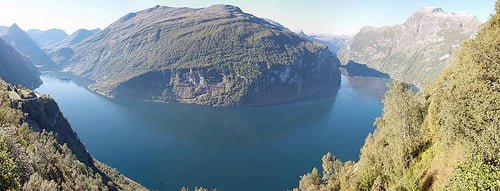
column 414, row 51
column 21, row 41
column 215, row 56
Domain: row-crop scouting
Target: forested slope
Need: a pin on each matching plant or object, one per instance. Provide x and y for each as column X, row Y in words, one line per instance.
column 446, row 138
column 40, row 151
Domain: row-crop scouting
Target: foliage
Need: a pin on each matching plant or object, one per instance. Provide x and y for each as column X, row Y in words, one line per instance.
column 444, row 138
column 217, row 55
column 36, row 156
column 9, row 179
column 475, row 174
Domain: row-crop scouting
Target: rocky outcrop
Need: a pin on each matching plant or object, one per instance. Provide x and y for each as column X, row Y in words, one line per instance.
column 17, row 69
column 214, row 56
column 415, row 51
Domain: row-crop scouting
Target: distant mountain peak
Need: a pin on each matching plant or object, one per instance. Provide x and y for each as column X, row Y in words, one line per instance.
column 431, row 9
column 15, row 28
column 439, row 12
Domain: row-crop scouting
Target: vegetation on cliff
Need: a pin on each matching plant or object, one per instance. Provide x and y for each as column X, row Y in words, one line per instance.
column 446, row 138
column 40, row 151
column 217, row 55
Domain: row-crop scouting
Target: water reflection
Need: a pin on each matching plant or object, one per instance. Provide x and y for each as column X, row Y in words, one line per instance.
column 167, row 146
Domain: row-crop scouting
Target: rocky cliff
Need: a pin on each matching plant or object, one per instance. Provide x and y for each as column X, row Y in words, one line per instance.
column 17, row 69
column 415, row 51
column 40, row 151
column 215, row 56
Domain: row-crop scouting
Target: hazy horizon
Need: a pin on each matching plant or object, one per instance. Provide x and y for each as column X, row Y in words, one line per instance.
column 312, row 17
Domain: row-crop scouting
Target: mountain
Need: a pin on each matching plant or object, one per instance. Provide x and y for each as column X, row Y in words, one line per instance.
column 3, row 30
column 61, row 52
column 75, row 38
column 17, row 69
column 415, row 51
column 17, row 38
column 334, row 42
column 47, row 38
column 216, row 56
column 445, row 138
column 40, row 151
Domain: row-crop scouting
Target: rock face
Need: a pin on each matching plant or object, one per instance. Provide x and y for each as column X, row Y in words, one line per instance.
column 17, row 69
column 217, row 56
column 415, row 51
column 18, row 39
column 47, row 38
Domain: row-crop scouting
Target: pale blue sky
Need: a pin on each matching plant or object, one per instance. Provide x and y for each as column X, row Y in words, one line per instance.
column 312, row 16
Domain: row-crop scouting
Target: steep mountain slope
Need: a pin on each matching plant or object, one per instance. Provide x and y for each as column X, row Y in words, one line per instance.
column 17, row 69
column 40, row 151
column 446, row 138
column 75, row 38
column 414, row 51
column 215, row 56
column 18, row 39
column 47, row 38
column 3, row 30
column 62, row 52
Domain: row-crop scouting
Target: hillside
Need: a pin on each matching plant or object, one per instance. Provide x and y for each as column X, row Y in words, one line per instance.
column 47, row 38
column 17, row 69
column 61, row 52
column 445, row 138
column 415, row 51
column 75, row 38
column 214, row 56
column 40, row 151
column 18, row 39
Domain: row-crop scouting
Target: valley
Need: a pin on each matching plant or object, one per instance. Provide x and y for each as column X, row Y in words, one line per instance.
column 218, row 144
column 223, row 97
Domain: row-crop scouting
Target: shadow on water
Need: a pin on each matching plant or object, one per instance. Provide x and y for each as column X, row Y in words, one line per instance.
column 354, row 69
column 247, row 125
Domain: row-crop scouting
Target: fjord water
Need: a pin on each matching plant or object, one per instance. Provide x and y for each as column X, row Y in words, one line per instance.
column 167, row 146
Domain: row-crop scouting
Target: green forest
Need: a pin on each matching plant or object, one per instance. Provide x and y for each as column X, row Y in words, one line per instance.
column 446, row 137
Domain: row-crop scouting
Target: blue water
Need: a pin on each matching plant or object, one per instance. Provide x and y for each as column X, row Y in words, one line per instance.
column 167, row 146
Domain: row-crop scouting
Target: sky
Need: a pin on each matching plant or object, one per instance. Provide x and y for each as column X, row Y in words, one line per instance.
column 312, row 16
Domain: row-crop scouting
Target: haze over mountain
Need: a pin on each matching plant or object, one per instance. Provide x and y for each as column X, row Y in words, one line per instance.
column 75, row 38
column 215, row 56
column 414, row 51
column 47, row 38
column 17, row 38
column 334, row 43
column 17, row 69
column 3, row 30
column 61, row 52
